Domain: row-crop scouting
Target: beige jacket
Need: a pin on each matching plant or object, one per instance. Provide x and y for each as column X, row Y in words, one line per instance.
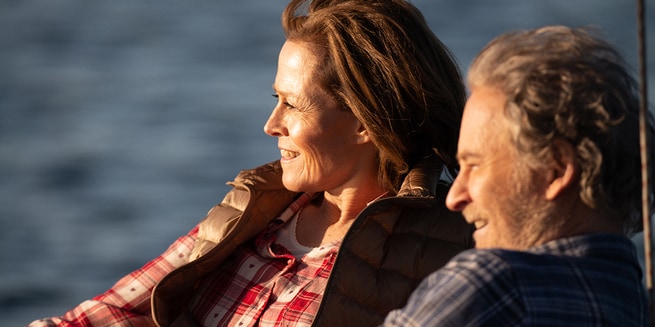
column 393, row 243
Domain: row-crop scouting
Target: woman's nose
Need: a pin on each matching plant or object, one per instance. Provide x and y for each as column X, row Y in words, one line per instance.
column 274, row 126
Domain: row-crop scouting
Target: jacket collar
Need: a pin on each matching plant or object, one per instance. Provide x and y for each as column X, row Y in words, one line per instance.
column 422, row 179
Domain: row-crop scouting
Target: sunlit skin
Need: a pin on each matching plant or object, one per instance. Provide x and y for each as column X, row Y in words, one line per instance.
column 504, row 200
column 514, row 207
column 322, row 148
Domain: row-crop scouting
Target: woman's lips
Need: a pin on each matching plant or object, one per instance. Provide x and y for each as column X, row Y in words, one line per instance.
column 286, row 154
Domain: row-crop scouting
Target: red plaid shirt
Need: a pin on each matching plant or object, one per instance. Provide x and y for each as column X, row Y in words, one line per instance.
column 261, row 283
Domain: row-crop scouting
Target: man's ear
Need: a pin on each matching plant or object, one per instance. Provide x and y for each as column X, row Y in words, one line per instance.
column 564, row 168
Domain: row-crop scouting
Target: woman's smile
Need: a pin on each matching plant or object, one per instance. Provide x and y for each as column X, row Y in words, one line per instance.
column 288, row 155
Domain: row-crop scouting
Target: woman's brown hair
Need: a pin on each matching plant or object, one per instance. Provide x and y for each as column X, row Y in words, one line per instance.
column 383, row 63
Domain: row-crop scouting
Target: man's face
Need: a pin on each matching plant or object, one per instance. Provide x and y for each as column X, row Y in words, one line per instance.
column 494, row 189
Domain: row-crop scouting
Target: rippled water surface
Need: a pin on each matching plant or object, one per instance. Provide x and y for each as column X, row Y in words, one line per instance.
column 121, row 121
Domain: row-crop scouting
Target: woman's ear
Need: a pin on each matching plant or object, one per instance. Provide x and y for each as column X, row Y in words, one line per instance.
column 564, row 168
column 362, row 134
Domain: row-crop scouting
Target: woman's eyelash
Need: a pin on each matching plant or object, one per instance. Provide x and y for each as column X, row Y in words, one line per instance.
column 275, row 95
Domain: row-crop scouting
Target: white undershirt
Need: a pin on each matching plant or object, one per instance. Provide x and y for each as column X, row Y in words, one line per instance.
column 286, row 237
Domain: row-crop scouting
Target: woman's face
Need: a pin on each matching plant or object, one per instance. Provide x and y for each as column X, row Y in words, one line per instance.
column 323, row 147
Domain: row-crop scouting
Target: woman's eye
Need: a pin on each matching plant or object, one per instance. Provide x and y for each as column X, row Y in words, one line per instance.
column 286, row 104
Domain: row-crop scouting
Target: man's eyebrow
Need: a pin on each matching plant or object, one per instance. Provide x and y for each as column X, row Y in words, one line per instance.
column 466, row 155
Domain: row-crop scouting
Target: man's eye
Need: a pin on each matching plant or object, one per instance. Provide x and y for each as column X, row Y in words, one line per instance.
column 468, row 166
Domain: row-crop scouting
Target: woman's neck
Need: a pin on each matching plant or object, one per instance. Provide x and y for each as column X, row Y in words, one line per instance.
column 327, row 218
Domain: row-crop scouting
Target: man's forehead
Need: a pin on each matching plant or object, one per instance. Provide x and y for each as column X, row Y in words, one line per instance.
column 484, row 107
column 483, row 121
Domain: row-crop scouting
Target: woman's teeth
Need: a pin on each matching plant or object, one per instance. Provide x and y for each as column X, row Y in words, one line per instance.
column 288, row 154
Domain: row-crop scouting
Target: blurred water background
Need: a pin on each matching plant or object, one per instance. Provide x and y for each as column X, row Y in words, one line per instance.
column 121, row 121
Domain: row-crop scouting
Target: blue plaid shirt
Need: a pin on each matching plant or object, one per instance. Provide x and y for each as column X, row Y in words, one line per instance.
column 589, row 280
